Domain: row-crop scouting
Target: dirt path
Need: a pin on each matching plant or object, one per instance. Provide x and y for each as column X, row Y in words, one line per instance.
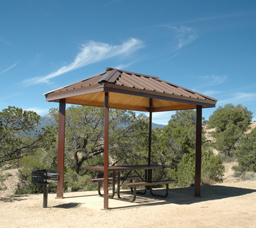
column 229, row 205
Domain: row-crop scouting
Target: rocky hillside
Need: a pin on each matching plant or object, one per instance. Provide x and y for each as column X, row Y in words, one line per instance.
column 229, row 175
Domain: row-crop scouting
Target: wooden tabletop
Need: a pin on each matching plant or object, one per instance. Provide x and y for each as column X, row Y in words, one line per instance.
column 128, row 167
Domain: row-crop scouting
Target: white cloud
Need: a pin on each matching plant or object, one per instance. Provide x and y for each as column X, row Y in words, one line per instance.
column 2, row 72
column 217, row 17
column 39, row 111
column 185, row 35
column 239, row 98
column 9, row 96
column 6, row 42
column 91, row 52
column 123, row 66
column 211, row 92
column 115, row 1
column 215, row 80
column 211, row 80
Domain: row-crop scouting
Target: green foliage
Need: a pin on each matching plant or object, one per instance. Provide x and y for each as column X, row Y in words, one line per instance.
column 15, row 133
column 237, row 115
column 85, row 136
column 131, row 141
column 41, row 159
column 230, row 122
column 177, row 138
column 245, row 153
column 212, row 168
column 227, row 139
column 84, row 145
column 186, row 170
column 75, row 182
column 44, row 157
column 175, row 145
column 128, row 144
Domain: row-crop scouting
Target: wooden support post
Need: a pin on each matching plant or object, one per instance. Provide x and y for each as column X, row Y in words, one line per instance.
column 106, row 118
column 198, row 150
column 61, row 146
column 149, row 176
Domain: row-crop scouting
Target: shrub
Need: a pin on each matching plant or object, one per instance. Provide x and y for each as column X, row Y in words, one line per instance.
column 245, row 153
column 211, row 170
column 75, row 182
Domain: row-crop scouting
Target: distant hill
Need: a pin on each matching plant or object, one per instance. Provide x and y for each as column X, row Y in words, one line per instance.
column 48, row 120
column 154, row 125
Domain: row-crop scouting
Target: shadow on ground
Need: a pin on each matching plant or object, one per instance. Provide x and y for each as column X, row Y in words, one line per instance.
column 13, row 198
column 185, row 196
column 68, row 205
column 208, row 192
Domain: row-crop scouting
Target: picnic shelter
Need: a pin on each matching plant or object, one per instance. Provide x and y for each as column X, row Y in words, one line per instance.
column 121, row 89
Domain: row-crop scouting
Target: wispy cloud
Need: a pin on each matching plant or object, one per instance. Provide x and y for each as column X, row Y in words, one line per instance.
column 9, row 96
column 212, row 80
column 211, row 92
column 4, row 98
column 217, row 17
column 9, row 68
column 91, row 52
column 123, row 66
column 6, row 42
column 184, row 35
column 114, row 1
column 39, row 111
column 240, row 98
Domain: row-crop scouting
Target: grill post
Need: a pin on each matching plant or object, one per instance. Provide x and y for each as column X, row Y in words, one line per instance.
column 45, row 189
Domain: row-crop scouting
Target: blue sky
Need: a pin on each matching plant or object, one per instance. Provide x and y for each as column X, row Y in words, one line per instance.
column 206, row 46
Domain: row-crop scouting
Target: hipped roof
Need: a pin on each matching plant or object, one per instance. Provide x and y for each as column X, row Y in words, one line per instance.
column 130, row 91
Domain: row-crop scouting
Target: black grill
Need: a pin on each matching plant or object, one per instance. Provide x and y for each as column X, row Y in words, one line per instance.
column 45, row 176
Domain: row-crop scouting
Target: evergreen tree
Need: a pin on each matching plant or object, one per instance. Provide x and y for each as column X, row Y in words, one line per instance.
column 230, row 122
column 245, row 153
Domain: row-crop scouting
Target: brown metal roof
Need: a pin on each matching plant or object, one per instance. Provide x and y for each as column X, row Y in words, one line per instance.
column 129, row 90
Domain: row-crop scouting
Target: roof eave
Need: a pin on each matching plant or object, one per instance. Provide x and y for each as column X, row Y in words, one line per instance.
column 108, row 87
column 84, row 91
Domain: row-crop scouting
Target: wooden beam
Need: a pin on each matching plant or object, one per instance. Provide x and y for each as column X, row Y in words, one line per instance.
column 129, row 107
column 174, row 108
column 150, row 138
column 124, row 106
column 198, row 150
column 61, row 147
column 106, row 118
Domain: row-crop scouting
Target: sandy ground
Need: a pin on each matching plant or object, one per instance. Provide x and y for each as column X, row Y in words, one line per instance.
column 226, row 205
column 231, row 204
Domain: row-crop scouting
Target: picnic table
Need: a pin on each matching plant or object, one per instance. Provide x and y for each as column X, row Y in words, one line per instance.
column 133, row 185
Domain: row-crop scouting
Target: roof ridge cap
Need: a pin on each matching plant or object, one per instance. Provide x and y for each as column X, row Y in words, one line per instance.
column 107, row 75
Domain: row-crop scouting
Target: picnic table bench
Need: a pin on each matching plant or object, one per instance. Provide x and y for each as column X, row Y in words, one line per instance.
column 153, row 183
column 132, row 185
column 101, row 180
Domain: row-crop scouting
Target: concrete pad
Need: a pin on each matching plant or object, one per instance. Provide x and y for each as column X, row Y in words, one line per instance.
column 91, row 199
